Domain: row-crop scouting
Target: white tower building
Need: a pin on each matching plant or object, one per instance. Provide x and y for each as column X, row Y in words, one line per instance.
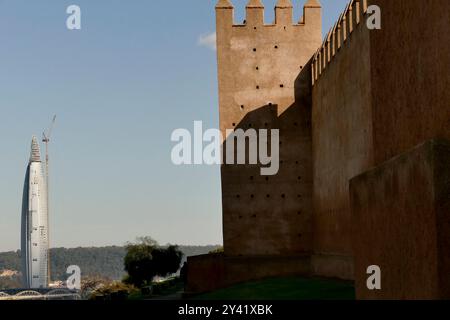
column 35, row 238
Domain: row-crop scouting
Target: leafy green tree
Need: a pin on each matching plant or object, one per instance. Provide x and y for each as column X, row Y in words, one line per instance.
column 167, row 260
column 145, row 260
column 217, row 250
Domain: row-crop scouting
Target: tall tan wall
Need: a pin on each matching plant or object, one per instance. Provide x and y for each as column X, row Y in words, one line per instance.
column 376, row 94
column 264, row 83
column 342, row 145
column 410, row 61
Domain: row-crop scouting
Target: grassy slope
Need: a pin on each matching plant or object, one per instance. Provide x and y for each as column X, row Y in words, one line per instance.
column 293, row 288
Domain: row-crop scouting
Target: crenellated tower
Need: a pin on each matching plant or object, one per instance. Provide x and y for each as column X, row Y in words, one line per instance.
column 265, row 83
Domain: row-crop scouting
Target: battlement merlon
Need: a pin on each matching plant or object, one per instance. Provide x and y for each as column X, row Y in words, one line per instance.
column 312, row 14
column 348, row 21
column 254, row 13
column 283, row 12
column 224, row 16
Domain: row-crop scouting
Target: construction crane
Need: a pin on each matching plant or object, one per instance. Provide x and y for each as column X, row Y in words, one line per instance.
column 46, row 135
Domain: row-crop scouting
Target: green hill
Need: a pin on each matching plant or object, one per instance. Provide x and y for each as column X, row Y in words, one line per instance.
column 105, row 261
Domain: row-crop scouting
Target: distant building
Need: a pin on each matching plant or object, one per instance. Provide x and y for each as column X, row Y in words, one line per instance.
column 35, row 238
column 57, row 285
column 8, row 273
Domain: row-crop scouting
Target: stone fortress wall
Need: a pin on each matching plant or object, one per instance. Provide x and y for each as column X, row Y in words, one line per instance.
column 363, row 116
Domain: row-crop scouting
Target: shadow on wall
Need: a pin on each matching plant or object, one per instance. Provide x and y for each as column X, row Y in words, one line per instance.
column 272, row 215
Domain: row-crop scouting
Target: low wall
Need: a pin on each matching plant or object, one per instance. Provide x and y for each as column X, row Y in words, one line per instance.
column 333, row 266
column 401, row 223
column 214, row 271
column 204, row 273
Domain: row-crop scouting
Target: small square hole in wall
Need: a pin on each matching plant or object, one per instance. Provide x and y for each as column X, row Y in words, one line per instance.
column 254, row 49
column 257, row 87
column 276, row 47
column 281, row 85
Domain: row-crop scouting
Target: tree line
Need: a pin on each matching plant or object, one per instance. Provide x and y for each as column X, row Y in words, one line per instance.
column 107, row 262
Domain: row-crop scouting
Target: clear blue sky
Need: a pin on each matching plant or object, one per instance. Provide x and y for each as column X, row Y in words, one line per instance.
column 120, row 86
